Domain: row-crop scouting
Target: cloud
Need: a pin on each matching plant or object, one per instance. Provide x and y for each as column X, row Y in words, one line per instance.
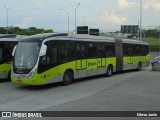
column 39, row 2
column 28, row 20
column 78, row 1
column 152, row 4
column 111, row 17
column 147, row 4
column 25, row 22
column 123, row 4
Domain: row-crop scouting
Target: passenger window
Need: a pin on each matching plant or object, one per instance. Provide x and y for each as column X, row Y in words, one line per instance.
column 110, row 51
column 101, row 51
column 130, row 50
column 80, row 52
column 91, row 50
column 50, row 60
column 66, row 51
column 45, row 60
column 1, row 54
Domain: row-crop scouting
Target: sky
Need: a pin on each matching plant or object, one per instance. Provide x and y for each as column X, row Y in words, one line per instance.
column 107, row 15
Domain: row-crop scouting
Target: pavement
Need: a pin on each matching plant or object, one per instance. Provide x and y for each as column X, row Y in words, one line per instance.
column 127, row 91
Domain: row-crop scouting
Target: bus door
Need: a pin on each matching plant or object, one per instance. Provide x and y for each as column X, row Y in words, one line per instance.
column 119, row 55
column 130, row 54
column 101, row 61
column 81, row 61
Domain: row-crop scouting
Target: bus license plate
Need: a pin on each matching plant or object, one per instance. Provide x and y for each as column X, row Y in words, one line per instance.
column 19, row 81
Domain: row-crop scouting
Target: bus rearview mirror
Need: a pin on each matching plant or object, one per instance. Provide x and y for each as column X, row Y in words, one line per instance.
column 43, row 50
column 14, row 50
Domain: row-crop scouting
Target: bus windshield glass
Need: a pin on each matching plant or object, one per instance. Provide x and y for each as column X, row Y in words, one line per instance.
column 26, row 55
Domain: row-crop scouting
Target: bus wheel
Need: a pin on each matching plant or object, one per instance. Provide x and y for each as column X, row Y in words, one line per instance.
column 9, row 76
column 139, row 66
column 109, row 71
column 67, row 78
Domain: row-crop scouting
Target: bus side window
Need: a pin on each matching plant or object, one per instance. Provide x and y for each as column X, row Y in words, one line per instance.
column 80, row 51
column 66, row 51
column 147, row 49
column 50, row 59
column 98, row 51
column 110, row 51
column 53, row 55
column 77, row 54
column 125, row 50
column 1, row 54
column 8, row 52
column 103, row 51
column 91, row 50
column 45, row 60
column 131, row 50
column 83, row 50
column 70, row 51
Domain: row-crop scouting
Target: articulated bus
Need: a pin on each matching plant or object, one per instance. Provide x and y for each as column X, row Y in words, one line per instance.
column 7, row 44
column 42, row 60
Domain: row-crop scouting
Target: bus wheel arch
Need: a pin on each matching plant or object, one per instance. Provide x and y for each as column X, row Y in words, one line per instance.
column 109, row 70
column 68, row 77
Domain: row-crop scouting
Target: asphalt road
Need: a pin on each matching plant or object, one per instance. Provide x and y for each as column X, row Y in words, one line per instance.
column 126, row 91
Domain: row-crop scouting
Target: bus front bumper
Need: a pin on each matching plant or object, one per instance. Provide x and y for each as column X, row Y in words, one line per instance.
column 28, row 81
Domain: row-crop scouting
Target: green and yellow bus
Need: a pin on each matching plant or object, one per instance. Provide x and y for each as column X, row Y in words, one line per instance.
column 44, row 59
column 6, row 47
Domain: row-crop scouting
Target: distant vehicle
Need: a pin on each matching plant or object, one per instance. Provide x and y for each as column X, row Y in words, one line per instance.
column 45, row 59
column 7, row 43
column 6, row 47
column 156, row 63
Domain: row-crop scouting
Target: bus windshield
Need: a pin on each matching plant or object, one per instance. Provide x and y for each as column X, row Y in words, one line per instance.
column 26, row 55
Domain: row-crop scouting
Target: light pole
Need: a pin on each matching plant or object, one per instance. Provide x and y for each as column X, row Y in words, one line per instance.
column 84, row 20
column 7, row 17
column 75, row 17
column 68, row 17
column 140, row 20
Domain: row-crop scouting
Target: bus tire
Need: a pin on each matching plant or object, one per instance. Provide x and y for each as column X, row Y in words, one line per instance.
column 67, row 78
column 139, row 66
column 109, row 71
column 9, row 76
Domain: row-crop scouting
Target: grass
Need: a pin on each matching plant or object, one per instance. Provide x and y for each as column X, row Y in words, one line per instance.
column 154, row 43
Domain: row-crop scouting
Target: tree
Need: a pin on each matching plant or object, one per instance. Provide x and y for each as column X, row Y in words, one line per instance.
column 28, row 31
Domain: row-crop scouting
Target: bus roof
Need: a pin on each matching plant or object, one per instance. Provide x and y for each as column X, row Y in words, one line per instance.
column 86, row 37
column 77, row 37
column 17, row 38
column 83, row 37
column 8, row 39
column 41, row 37
column 7, row 35
column 131, row 41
